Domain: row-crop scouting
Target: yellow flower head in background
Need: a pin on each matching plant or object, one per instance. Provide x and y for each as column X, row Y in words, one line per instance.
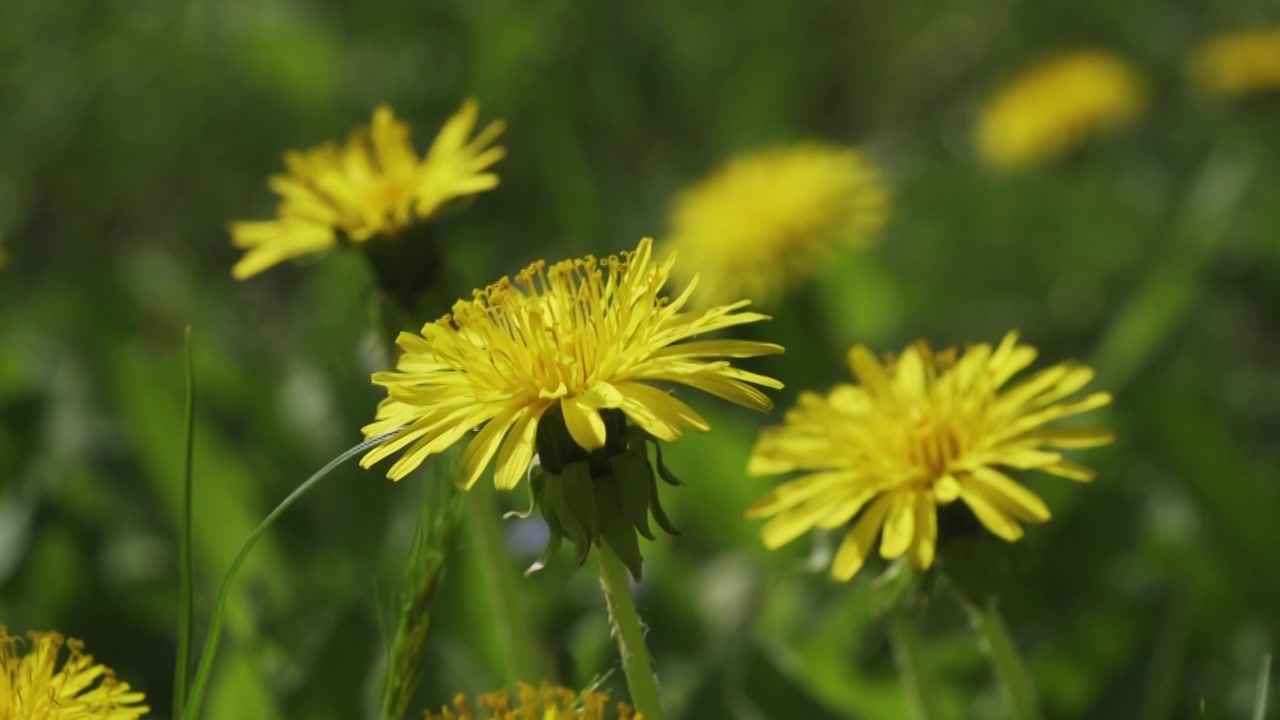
column 547, row 703
column 561, row 343
column 34, row 687
column 1238, row 63
column 923, row 430
column 1056, row 106
column 374, row 185
column 770, row 219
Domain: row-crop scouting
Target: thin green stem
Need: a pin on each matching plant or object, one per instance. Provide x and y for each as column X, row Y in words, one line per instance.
column 908, row 655
column 1008, row 666
column 191, row 709
column 1260, row 695
column 627, row 627
column 186, row 594
column 523, row 661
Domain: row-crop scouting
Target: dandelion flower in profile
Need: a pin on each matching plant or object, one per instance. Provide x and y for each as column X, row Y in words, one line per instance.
column 922, row 430
column 557, row 362
column 375, row 185
column 1057, row 106
column 768, row 220
column 35, row 686
column 545, row 703
column 1238, row 63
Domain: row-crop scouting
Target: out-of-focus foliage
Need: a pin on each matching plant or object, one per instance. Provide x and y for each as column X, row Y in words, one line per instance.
column 133, row 132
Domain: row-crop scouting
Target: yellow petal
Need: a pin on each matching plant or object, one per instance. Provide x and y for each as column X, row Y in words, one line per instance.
column 794, row 492
column 870, row 373
column 483, row 446
column 899, row 526
column 585, row 425
column 926, row 536
column 1000, row 524
column 852, row 552
column 517, row 451
column 1011, row 496
column 1071, row 471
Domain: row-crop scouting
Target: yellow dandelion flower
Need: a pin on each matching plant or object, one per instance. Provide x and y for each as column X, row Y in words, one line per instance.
column 1238, row 63
column 373, row 186
column 579, row 337
column 922, row 430
column 1056, row 106
column 770, row 219
column 546, row 703
column 34, row 687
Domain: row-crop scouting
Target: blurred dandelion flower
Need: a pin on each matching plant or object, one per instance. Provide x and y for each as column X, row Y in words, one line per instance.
column 1056, row 106
column 770, row 219
column 546, row 703
column 375, row 185
column 557, row 362
column 1238, row 63
column 922, row 430
column 34, row 687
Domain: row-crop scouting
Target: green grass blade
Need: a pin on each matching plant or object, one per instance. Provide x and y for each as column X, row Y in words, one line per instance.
column 1264, row 680
column 186, row 596
column 191, row 710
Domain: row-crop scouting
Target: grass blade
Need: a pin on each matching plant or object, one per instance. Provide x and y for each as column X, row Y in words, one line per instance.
column 186, row 596
column 191, row 710
column 439, row 519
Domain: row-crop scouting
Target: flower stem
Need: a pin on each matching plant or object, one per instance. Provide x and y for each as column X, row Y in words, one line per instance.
column 522, row 659
column 1010, row 671
column 908, row 655
column 636, row 665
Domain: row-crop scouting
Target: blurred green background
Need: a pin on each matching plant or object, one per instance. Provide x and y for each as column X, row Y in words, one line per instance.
column 132, row 132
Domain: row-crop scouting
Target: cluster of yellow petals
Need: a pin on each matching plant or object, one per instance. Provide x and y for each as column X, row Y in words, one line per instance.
column 547, row 703
column 770, row 219
column 33, row 686
column 580, row 336
column 374, row 185
column 1055, row 106
column 923, row 430
column 1238, row 63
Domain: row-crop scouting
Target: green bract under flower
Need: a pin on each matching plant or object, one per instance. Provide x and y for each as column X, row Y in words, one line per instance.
column 602, row 496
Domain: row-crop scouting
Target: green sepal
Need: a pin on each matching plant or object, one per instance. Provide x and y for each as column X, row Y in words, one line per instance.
column 663, row 471
column 633, row 477
column 577, row 491
column 660, row 515
column 570, row 522
column 616, row 531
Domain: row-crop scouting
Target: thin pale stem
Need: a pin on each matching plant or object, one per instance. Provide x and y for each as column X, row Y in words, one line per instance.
column 629, row 631
column 1010, row 671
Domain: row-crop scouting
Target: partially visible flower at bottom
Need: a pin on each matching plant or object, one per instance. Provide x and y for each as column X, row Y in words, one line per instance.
column 920, row 431
column 34, row 687
column 549, row 702
column 1238, row 63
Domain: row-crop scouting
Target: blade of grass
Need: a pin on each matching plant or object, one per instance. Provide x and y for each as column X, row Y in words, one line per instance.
column 186, row 596
column 1264, row 680
column 191, row 710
